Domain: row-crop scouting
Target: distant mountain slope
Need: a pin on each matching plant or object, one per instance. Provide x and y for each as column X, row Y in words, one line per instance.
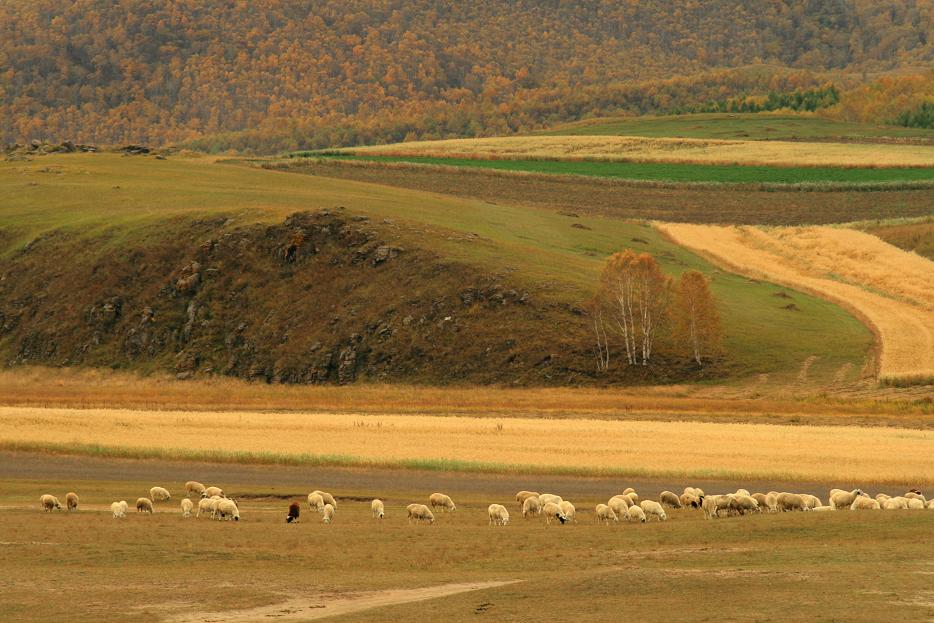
column 305, row 74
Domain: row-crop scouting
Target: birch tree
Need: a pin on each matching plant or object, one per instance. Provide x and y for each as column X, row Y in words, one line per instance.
column 696, row 318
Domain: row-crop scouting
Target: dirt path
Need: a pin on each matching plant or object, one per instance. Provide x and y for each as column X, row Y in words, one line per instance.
column 312, row 609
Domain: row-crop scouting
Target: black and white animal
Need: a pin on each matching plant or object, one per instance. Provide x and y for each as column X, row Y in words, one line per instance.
column 294, row 510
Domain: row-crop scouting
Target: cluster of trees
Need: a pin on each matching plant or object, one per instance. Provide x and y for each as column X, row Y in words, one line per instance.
column 808, row 100
column 920, row 117
column 890, row 99
column 636, row 304
column 295, row 73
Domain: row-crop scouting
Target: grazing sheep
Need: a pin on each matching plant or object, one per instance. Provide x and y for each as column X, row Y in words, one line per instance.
column 193, row 486
column 844, row 499
column 215, row 507
column 187, row 507
column 499, row 516
column 570, row 513
column 440, row 500
column 605, row 514
column 419, row 512
column 618, row 504
column 227, row 509
column 328, row 513
column 822, row 509
column 929, row 505
column 522, row 496
column 743, row 504
column 633, row 497
column 210, row 492
column 911, row 495
column 713, row 504
column 811, row 501
column 205, row 505
column 295, row 509
column 763, row 501
column 50, row 503
column 531, row 506
column 553, row 511
column 71, row 501
column 327, row 497
column 915, row 504
column 545, row 498
column 788, row 502
column 742, row 492
column 144, row 505
column 628, row 491
column 117, row 509
column 624, row 499
column 316, row 502
column 667, row 498
column 651, row 507
column 771, row 499
column 689, row 500
column 635, row 513
column 894, row 504
column 864, row 503
column 158, row 494
column 377, row 508
column 124, row 506
column 831, row 493
column 881, row 498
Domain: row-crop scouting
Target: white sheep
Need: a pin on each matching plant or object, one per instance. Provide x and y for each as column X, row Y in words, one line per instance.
column 522, row 496
column 553, row 511
column 227, row 509
column 71, row 501
column 605, row 514
column 667, row 498
column 651, row 507
column 215, row 507
column 822, row 509
column 327, row 497
column 844, row 499
column 158, row 494
column 49, row 503
column 328, row 514
column 187, row 507
column 210, row 492
column 915, row 504
column 915, row 495
column 695, row 491
column 632, row 496
column 743, row 504
column 144, row 505
column 531, row 506
column 689, row 500
column 193, row 486
column 419, row 512
column 894, row 504
column 929, row 505
column 545, row 498
column 618, row 504
column 788, row 502
column 378, row 509
column 124, row 506
column 205, row 504
column 628, row 490
column 316, row 502
column 864, row 503
column 881, row 498
column 763, row 501
column 570, row 513
column 117, row 510
column 713, row 504
column 499, row 516
column 771, row 499
column 635, row 513
column 811, row 501
column 442, row 501
column 742, row 492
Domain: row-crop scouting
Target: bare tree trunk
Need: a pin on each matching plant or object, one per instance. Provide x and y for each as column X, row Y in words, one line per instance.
column 602, row 347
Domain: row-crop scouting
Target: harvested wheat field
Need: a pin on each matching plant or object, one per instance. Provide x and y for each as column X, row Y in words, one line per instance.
column 581, row 446
column 889, row 288
column 680, row 150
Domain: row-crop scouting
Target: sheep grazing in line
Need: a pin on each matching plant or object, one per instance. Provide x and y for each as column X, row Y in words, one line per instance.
column 653, row 508
column 553, row 511
column 419, row 513
column 327, row 497
column 118, row 510
column 545, row 498
column 71, row 501
column 811, row 501
column 328, row 513
column 158, row 494
column 635, row 513
column 522, row 496
column 669, row 499
column 499, row 516
column 570, row 513
column 788, row 502
column 844, row 499
column 316, row 502
column 894, row 504
column 50, row 503
column 295, row 509
column 442, row 501
column 187, row 507
column 689, row 500
column 193, row 486
column 378, row 509
column 227, row 509
column 743, row 504
column 605, row 514
column 713, row 504
column 531, row 506
column 144, row 505
column 864, row 503
column 210, row 492
column 205, row 505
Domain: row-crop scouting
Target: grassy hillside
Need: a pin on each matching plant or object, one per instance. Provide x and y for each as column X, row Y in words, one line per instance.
column 120, row 203
column 746, row 126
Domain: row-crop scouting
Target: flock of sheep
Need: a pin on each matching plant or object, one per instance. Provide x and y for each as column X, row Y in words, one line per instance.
column 627, row 505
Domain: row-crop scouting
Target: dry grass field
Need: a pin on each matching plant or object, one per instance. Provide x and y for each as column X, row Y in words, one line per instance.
column 510, row 445
column 670, row 150
column 888, row 287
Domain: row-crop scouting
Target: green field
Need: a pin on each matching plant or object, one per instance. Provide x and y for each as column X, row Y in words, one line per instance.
column 735, row 126
column 672, row 172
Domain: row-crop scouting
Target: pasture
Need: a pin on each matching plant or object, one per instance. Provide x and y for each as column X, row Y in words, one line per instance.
column 86, row 565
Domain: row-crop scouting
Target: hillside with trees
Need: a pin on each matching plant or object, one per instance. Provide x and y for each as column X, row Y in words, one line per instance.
column 286, row 74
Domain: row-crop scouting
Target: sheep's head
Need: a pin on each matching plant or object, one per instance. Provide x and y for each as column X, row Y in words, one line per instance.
column 860, row 492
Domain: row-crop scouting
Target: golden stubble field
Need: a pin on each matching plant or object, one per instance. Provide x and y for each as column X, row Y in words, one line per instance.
column 891, row 289
column 674, row 150
column 838, row 455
